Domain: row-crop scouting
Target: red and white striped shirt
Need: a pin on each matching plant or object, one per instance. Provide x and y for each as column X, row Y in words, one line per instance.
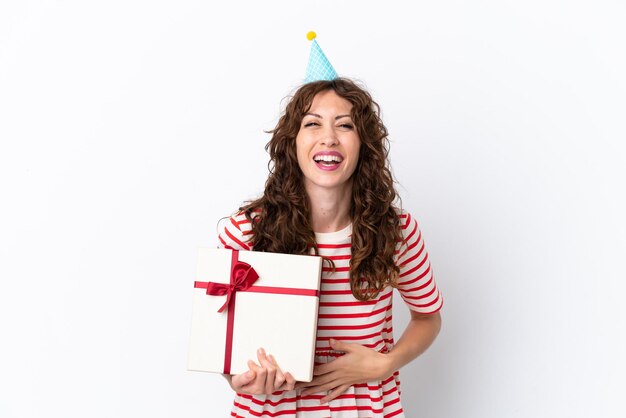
column 344, row 318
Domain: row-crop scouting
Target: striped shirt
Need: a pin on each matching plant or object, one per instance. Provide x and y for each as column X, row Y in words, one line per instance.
column 344, row 318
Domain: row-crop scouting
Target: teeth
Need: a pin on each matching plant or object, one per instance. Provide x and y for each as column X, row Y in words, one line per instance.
column 328, row 158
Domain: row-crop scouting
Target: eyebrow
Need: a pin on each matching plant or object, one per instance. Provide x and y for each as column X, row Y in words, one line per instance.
column 319, row 116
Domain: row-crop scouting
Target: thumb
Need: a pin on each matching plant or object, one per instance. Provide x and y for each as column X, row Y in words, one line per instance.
column 245, row 378
column 339, row 345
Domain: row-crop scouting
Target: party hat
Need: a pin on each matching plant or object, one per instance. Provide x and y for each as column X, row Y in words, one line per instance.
column 318, row 68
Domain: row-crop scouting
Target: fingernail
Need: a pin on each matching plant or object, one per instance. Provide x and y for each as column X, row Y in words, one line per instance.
column 249, row 374
column 262, row 351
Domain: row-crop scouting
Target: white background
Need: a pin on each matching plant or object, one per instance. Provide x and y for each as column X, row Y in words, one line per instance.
column 128, row 128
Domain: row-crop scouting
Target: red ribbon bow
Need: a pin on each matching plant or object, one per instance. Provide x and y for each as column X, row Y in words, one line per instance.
column 242, row 277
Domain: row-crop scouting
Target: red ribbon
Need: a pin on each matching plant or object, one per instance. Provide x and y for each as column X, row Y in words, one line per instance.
column 242, row 278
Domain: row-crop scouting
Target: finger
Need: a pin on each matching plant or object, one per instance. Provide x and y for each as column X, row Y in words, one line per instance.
column 304, row 385
column 334, row 393
column 300, row 385
column 257, row 386
column 327, row 382
column 271, row 371
column 314, row 382
column 241, row 380
column 315, row 389
column 280, row 376
column 264, row 361
column 327, row 367
column 253, row 366
column 290, row 382
column 340, row 345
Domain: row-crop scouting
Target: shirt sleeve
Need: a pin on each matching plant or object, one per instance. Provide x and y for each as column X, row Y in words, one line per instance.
column 234, row 233
column 416, row 283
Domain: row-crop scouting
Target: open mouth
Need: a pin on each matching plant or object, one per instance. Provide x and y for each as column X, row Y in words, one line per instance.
column 328, row 160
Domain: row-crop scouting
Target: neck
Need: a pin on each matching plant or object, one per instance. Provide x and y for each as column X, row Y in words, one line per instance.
column 330, row 208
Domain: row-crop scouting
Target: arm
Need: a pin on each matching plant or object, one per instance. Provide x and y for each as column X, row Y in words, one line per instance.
column 361, row 364
column 417, row 337
column 419, row 290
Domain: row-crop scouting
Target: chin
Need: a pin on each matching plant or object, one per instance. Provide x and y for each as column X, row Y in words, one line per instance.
column 330, row 184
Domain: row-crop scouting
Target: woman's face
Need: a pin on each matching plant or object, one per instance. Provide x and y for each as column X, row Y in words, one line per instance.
column 327, row 144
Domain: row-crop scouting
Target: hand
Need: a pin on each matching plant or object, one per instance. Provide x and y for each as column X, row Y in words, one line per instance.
column 360, row 364
column 263, row 378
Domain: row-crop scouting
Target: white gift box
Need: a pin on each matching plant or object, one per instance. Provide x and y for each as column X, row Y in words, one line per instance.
column 278, row 313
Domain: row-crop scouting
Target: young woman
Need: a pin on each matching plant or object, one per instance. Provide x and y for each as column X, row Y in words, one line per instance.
column 330, row 192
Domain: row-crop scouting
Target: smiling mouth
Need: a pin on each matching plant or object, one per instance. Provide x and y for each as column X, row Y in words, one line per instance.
column 328, row 160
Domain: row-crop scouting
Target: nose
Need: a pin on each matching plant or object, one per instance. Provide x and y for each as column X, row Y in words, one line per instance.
column 329, row 137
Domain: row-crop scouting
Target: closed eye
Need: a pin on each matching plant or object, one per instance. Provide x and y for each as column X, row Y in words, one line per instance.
column 312, row 123
column 346, row 126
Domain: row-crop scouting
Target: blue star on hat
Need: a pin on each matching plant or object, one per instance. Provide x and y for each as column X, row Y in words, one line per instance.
column 319, row 67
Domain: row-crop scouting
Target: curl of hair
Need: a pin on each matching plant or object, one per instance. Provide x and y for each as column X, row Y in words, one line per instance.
column 280, row 218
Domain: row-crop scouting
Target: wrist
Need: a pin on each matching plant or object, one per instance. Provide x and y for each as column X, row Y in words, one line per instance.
column 395, row 360
column 386, row 366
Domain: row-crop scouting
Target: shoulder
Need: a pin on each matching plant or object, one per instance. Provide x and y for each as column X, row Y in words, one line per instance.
column 411, row 240
column 235, row 231
column 408, row 225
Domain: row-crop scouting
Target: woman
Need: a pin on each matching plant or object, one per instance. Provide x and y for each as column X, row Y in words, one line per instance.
column 330, row 192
